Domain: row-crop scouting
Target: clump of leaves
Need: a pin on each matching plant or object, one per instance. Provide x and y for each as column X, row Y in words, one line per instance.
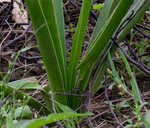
column 48, row 22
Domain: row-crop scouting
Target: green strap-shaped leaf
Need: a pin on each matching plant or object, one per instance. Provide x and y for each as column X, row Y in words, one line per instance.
column 78, row 39
column 99, row 29
column 44, row 20
column 58, row 6
column 6, row 89
column 86, row 70
column 103, row 39
column 27, row 83
column 138, row 8
column 49, row 119
column 102, row 19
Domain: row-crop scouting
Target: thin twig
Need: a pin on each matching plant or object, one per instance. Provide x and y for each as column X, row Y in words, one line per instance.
column 9, row 8
column 125, row 23
column 143, row 27
column 3, row 8
column 14, row 24
column 143, row 33
column 31, row 57
column 17, row 38
column 89, row 106
column 17, row 31
column 144, row 54
column 69, row 94
column 138, row 64
column 6, row 36
column 131, row 49
column 54, row 110
column 5, row 100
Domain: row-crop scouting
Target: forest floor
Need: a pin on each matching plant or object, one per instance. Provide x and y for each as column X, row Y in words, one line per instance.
column 14, row 37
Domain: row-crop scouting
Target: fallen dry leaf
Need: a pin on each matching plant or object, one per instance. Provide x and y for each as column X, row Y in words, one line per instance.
column 19, row 14
column 1, row 1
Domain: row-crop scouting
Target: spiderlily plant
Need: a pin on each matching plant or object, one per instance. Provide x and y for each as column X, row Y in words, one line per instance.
column 47, row 18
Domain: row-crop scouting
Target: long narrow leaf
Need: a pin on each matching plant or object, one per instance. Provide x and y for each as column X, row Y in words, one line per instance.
column 135, row 89
column 115, row 75
column 78, row 41
column 58, row 6
column 138, row 7
column 103, row 39
column 102, row 21
column 42, row 13
column 46, row 120
column 27, row 83
column 20, row 95
column 86, row 70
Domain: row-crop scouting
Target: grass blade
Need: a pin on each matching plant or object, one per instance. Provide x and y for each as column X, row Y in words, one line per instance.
column 115, row 75
column 135, row 89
